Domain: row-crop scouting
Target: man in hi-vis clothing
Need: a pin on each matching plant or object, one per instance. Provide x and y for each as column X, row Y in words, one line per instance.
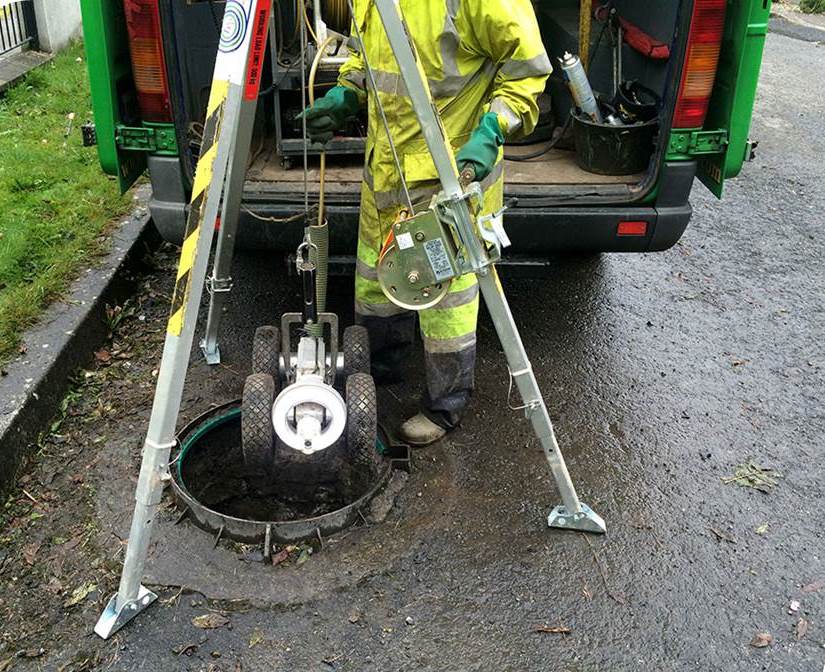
column 486, row 66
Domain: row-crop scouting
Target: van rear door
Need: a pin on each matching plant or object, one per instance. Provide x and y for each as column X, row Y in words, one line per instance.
column 731, row 103
column 114, row 98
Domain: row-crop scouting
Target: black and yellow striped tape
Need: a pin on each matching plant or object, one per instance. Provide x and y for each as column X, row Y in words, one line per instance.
column 200, row 190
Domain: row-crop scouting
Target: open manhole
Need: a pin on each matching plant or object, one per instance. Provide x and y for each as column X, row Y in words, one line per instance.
column 306, row 497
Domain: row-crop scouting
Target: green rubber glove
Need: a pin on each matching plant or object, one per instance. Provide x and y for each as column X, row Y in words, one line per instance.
column 330, row 113
column 481, row 150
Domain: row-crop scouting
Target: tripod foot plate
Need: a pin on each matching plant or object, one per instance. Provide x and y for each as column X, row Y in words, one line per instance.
column 586, row 520
column 113, row 618
column 212, row 357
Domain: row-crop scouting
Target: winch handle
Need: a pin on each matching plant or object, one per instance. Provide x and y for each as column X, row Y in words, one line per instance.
column 468, row 176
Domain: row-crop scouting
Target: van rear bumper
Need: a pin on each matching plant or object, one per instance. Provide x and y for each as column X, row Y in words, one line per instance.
column 534, row 231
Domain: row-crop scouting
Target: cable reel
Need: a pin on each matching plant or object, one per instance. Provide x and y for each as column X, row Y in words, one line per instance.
column 309, row 416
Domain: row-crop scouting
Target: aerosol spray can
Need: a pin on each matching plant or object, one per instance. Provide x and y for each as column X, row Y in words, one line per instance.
column 580, row 86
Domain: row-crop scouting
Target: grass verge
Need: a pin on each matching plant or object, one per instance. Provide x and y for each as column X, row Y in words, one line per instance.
column 812, row 6
column 55, row 203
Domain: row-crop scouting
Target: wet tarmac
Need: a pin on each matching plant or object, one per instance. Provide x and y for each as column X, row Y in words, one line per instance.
column 662, row 372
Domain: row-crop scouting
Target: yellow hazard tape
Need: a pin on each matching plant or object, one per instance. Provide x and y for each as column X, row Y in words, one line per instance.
column 203, row 173
column 203, row 179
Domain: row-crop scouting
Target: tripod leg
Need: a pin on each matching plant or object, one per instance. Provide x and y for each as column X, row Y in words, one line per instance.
column 220, row 283
column 231, row 80
column 572, row 514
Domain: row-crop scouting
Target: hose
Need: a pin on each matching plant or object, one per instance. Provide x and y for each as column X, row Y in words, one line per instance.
column 319, row 232
column 521, row 158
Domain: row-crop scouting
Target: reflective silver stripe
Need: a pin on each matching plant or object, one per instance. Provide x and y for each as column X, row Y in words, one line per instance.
column 496, row 174
column 391, row 83
column 365, row 270
column 368, row 178
column 448, row 345
column 513, row 120
column 356, row 77
column 458, row 299
column 450, row 39
column 422, row 194
column 395, row 197
column 538, row 66
column 378, row 309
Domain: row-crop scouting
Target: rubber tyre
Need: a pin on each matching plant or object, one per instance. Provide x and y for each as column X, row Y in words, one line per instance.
column 362, row 424
column 266, row 351
column 257, row 432
column 356, row 349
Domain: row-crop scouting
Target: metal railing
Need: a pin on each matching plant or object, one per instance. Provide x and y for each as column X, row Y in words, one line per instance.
column 18, row 28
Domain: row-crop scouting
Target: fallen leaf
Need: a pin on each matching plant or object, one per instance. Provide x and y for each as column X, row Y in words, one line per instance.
column 186, row 649
column 79, row 594
column 801, row 628
column 256, row 638
column 752, row 475
column 762, row 529
column 30, row 552
column 31, row 653
column 354, row 616
column 761, row 640
column 54, row 586
column 6, row 664
column 303, row 557
column 814, row 587
column 210, row 621
column 280, row 556
column 554, row 630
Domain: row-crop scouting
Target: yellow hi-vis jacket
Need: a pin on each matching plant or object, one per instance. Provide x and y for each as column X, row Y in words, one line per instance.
column 479, row 56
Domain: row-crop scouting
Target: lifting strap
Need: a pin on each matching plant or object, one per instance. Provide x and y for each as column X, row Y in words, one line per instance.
column 635, row 37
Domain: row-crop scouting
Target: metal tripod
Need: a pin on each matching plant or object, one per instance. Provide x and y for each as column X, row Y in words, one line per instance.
column 226, row 139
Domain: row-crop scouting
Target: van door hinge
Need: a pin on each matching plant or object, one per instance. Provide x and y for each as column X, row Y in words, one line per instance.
column 158, row 140
column 696, row 143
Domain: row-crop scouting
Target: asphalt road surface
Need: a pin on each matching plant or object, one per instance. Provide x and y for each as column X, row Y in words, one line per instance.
column 663, row 372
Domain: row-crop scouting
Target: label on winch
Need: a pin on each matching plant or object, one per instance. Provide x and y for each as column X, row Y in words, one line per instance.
column 439, row 261
column 405, row 241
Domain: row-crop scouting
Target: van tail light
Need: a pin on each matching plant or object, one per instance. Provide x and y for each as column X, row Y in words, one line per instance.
column 699, row 72
column 633, row 228
column 148, row 63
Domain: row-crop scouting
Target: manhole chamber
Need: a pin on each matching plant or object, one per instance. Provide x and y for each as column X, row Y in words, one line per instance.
column 305, row 497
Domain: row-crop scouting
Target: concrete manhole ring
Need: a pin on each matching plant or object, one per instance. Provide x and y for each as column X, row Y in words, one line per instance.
column 208, row 481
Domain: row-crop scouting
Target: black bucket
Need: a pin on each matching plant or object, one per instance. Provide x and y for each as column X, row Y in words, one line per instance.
column 613, row 150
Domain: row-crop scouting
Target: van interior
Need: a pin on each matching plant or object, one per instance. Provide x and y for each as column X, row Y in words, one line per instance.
column 633, row 52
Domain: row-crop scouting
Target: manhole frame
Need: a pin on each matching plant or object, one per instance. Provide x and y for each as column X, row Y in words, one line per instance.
column 257, row 531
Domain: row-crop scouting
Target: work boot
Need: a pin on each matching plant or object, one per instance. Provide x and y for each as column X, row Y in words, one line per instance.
column 420, row 431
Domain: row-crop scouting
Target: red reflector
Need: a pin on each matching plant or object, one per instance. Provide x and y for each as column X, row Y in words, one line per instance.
column 148, row 63
column 632, row 229
column 701, row 59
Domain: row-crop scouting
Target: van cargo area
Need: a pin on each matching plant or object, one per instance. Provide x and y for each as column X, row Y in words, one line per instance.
column 542, row 168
